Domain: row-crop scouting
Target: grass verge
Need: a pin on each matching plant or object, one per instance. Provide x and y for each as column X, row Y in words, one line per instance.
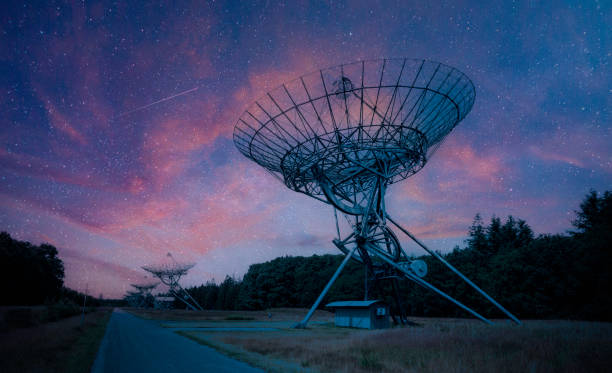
column 438, row 346
column 273, row 314
column 61, row 346
column 266, row 363
column 83, row 352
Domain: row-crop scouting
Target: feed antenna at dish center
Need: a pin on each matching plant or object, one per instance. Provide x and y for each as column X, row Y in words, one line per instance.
column 343, row 135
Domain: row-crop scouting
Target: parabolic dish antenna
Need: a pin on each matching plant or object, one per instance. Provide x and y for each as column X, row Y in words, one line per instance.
column 343, row 134
column 139, row 298
column 170, row 273
column 145, row 288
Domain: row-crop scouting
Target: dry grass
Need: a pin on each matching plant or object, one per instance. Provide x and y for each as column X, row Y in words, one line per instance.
column 61, row 346
column 274, row 314
column 438, row 346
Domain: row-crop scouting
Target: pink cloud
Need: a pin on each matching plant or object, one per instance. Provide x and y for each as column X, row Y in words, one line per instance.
column 51, row 170
column 459, row 157
column 59, row 121
column 443, row 225
column 578, row 146
column 235, row 212
column 441, row 200
column 548, row 155
column 456, row 169
column 231, row 210
column 99, row 276
column 169, row 146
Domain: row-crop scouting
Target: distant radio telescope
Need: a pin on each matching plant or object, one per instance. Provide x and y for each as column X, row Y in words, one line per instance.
column 342, row 135
column 170, row 274
column 143, row 292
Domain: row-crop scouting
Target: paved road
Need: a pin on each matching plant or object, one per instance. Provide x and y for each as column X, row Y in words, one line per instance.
column 133, row 345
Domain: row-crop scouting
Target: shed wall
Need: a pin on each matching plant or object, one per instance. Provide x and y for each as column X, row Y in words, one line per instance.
column 353, row 318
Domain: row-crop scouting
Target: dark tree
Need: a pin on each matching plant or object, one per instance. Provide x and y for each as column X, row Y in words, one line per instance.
column 593, row 258
column 30, row 274
column 595, row 214
column 550, row 276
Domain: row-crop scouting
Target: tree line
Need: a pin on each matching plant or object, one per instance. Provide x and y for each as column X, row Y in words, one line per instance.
column 30, row 274
column 34, row 274
column 548, row 276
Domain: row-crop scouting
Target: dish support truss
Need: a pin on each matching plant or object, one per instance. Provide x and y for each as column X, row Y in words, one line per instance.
column 170, row 277
column 139, row 298
column 374, row 244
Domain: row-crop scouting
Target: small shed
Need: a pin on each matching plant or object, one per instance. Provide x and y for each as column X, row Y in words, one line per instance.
column 163, row 303
column 368, row 314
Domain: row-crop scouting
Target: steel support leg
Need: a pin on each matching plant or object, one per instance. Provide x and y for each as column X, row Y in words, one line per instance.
column 429, row 286
column 184, row 300
column 473, row 285
column 302, row 324
column 188, row 296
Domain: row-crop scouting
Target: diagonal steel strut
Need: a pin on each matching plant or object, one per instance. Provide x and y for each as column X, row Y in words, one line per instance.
column 450, row 266
column 425, row 284
column 302, row 324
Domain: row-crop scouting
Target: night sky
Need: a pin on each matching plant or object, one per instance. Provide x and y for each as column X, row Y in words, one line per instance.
column 116, row 125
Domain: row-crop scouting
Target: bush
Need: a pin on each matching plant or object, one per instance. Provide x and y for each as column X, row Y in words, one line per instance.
column 19, row 318
column 60, row 310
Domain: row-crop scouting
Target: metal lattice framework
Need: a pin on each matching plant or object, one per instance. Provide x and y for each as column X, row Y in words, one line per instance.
column 170, row 274
column 343, row 134
column 133, row 298
column 142, row 294
column 145, row 288
column 342, row 122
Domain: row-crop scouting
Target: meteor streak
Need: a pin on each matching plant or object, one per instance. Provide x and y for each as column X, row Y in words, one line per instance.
column 156, row 102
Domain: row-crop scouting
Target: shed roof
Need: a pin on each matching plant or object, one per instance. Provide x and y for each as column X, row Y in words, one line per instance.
column 164, row 299
column 352, row 304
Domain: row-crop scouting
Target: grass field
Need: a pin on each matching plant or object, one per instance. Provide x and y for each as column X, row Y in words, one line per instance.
column 60, row 346
column 437, row 345
column 275, row 314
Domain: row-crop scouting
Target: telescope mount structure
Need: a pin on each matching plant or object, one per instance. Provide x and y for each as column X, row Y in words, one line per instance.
column 170, row 274
column 133, row 298
column 143, row 293
column 343, row 135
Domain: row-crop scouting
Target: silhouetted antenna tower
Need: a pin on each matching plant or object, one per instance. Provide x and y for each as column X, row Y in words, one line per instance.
column 145, row 288
column 143, row 292
column 342, row 135
column 170, row 274
column 133, row 298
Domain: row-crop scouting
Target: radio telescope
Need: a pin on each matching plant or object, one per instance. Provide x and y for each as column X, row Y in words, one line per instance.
column 170, row 274
column 343, row 134
column 143, row 293
column 133, row 298
column 145, row 289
